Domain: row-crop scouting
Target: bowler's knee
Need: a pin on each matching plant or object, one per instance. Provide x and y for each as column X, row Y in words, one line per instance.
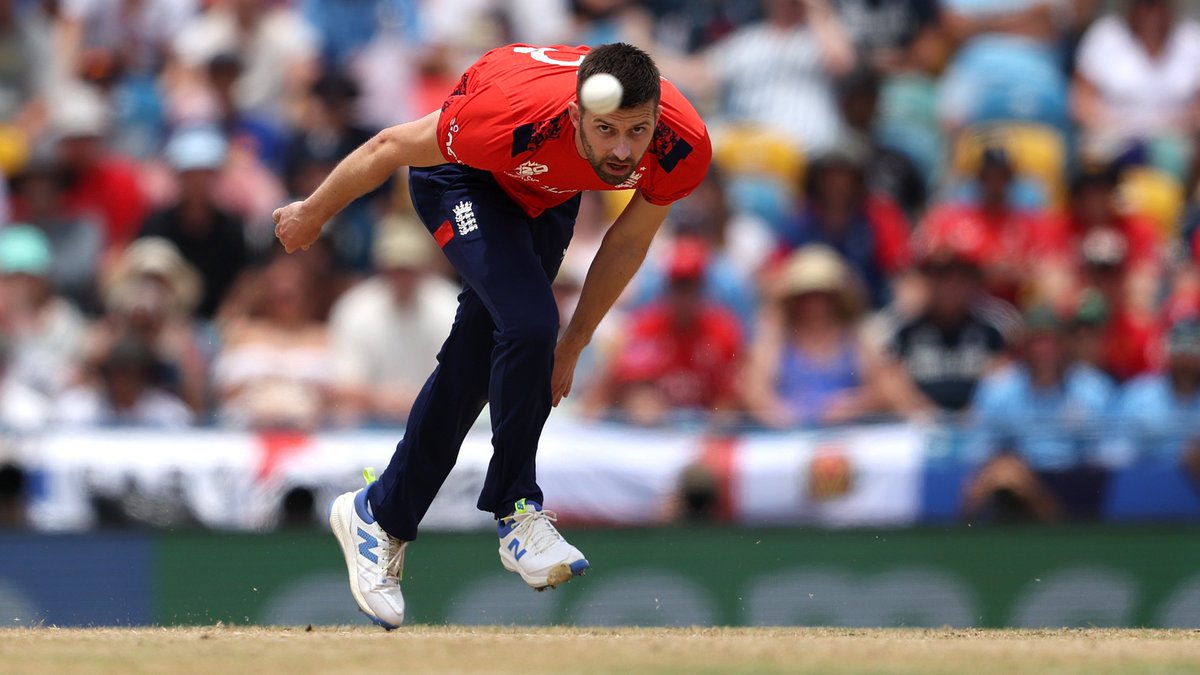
column 533, row 332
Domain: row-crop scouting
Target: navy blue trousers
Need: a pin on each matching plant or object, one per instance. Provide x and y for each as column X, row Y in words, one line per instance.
column 500, row 350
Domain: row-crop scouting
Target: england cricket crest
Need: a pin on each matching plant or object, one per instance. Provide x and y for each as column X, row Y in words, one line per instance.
column 464, row 218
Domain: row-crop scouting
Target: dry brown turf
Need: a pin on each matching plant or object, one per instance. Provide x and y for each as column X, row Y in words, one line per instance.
column 450, row 649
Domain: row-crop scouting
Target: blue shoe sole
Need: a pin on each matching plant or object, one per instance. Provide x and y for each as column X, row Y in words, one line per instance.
column 382, row 624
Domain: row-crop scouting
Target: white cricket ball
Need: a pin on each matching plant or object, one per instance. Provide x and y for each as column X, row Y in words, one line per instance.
column 601, row 93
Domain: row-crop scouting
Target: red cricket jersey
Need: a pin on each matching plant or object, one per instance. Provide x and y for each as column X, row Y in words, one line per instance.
column 508, row 115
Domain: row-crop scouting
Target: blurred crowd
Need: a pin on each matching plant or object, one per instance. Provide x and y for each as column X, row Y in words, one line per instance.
column 965, row 211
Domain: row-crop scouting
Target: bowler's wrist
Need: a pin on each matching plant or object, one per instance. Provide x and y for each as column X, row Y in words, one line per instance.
column 573, row 339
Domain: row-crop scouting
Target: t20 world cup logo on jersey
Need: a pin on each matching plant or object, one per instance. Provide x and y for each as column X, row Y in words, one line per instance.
column 529, row 169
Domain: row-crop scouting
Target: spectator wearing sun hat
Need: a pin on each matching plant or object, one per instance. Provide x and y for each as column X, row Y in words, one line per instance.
column 209, row 237
column 46, row 332
column 676, row 358
column 387, row 330
column 807, row 365
column 150, row 294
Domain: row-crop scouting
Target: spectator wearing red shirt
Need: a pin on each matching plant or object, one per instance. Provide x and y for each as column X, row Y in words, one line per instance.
column 866, row 229
column 1095, row 216
column 99, row 184
column 991, row 231
column 1107, row 333
column 676, row 357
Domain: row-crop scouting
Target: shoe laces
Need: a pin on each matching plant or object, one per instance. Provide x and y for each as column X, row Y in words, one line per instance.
column 393, row 555
column 536, row 529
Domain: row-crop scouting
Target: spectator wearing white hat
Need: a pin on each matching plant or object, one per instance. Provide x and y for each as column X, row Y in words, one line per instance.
column 99, row 183
column 150, row 294
column 388, row 329
column 807, row 366
column 209, row 237
column 45, row 332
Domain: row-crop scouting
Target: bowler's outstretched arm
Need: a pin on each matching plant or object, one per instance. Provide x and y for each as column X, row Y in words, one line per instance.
column 410, row 144
column 621, row 254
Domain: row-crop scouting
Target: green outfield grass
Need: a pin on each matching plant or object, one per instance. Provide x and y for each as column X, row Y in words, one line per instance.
column 452, row 649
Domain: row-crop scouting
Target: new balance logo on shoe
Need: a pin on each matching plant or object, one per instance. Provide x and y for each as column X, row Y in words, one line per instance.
column 515, row 547
column 464, row 218
column 368, row 546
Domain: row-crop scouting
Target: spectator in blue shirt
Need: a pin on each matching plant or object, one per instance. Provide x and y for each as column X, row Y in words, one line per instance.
column 1038, row 422
column 1160, row 413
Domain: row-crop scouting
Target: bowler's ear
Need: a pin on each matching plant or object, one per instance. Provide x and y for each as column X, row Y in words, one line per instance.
column 575, row 112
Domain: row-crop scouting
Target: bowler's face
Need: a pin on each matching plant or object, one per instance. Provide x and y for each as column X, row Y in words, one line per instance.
column 614, row 143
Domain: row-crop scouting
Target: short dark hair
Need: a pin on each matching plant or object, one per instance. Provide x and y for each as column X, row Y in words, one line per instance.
column 632, row 67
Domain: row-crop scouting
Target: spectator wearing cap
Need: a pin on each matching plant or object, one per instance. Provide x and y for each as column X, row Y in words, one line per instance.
column 45, row 332
column 991, row 230
column 1095, row 218
column 99, row 183
column 677, row 358
column 940, row 356
column 124, row 393
column 387, row 330
column 1108, row 333
column 840, row 212
column 739, row 244
column 1159, row 413
column 807, row 366
column 328, row 132
column 149, row 294
column 1038, row 426
column 209, row 237
column 209, row 97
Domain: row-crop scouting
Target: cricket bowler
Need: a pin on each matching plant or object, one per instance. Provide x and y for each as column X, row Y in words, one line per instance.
column 496, row 177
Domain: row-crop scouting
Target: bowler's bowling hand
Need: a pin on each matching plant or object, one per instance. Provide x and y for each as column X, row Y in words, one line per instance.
column 295, row 228
column 566, row 355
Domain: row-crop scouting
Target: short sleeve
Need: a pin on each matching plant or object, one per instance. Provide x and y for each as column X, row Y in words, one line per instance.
column 475, row 128
column 1096, row 50
column 682, row 166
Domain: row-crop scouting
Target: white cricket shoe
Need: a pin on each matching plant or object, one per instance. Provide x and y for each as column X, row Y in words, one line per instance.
column 531, row 547
column 374, row 559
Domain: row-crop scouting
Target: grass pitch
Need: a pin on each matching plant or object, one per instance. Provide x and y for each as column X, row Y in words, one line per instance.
column 451, row 649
